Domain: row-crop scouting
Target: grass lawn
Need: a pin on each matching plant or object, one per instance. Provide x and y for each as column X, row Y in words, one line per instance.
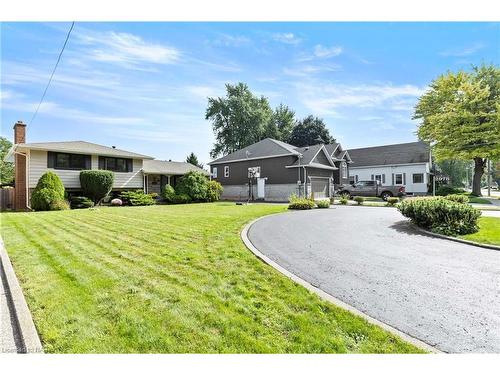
column 489, row 231
column 474, row 199
column 170, row 279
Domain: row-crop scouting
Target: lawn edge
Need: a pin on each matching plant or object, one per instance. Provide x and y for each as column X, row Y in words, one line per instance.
column 25, row 325
column 328, row 297
column 457, row 239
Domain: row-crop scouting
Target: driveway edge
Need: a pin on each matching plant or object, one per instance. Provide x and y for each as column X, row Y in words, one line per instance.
column 27, row 330
column 328, row 297
column 477, row 244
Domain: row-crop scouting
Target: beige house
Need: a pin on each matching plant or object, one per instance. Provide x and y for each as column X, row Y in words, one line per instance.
column 67, row 159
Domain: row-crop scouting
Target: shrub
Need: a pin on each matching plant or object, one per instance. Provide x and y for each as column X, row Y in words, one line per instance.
column 47, row 192
column 359, row 200
column 59, row 205
column 181, row 199
column 116, row 202
column 154, row 195
column 168, row 193
column 297, row 203
column 214, row 191
column 332, row 200
column 81, row 202
column 391, row 201
column 344, row 199
column 459, row 198
column 447, row 190
column 441, row 215
column 96, row 184
column 194, row 184
column 137, row 198
column 323, row 203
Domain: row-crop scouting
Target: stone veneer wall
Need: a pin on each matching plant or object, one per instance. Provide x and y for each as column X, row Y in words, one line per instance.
column 273, row 192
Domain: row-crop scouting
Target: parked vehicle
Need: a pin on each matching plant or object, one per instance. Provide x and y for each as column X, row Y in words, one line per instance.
column 372, row 189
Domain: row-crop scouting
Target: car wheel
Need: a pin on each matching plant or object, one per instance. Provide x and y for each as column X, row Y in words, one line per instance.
column 385, row 195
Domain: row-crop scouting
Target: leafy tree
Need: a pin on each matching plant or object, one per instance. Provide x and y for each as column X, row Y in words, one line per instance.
column 193, row 184
column 460, row 117
column 310, row 131
column 284, row 121
column 193, row 159
column 238, row 119
column 455, row 169
column 6, row 168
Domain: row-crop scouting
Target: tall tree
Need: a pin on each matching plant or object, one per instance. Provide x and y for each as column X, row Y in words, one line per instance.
column 193, row 159
column 284, row 121
column 238, row 119
column 310, row 131
column 461, row 118
column 455, row 169
column 6, row 168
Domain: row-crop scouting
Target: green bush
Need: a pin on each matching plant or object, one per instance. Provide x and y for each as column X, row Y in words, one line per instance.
column 391, row 201
column 441, row 215
column 59, row 205
column 359, row 200
column 137, row 198
column 214, row 191
column 81, row 202
column 96, row 184
column 459, row 198
column 332, row 199
column 181, row 199
column 447, row 190
column 323, row 203
column 49, row 190
column 297, row 203
column 168, row 193
column 344, row 199
column 194, row 184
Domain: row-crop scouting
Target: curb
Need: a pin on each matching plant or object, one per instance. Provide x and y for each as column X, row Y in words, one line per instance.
column 455, row 239
column 27, row 330
column 328, row 297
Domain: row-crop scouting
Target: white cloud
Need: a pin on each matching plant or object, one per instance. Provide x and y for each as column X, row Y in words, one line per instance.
column 326, row 52
column 464, row 51
column 287, row 38
column 310, row 69
column 228, row 40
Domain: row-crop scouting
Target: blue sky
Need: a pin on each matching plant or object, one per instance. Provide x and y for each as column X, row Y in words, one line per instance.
column 144, row 86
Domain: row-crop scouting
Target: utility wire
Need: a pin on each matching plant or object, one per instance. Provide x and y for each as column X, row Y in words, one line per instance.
column 52, row 75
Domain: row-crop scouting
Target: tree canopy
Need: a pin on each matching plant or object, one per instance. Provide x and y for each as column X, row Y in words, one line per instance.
column 460, row 117
column 6, row 168
column 310, row 131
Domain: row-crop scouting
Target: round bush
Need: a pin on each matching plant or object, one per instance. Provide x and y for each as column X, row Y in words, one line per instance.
column 96, row 184
column 323, row 203
column 168, row 193
column 42, row 199
column 194, row 184
column 116, row 202
column 59, row 205
column 50, row 180
column 359, row 200
column 214, row 191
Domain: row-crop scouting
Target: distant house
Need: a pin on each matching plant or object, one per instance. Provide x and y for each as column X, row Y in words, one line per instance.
column 272, row 170
column 67, row 159
column 407, row 164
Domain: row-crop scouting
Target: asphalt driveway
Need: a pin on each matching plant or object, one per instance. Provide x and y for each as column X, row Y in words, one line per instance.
column 444, row 293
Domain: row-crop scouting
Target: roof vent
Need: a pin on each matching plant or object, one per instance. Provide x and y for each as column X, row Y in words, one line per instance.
column 113, row 146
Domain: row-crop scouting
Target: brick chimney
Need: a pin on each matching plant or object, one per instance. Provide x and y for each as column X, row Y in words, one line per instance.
column 21, row 189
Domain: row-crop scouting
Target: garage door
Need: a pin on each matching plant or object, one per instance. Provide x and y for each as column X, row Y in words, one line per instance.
column 319, row 187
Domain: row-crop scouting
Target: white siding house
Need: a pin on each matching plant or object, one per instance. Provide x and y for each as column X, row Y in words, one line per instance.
column 407, row 164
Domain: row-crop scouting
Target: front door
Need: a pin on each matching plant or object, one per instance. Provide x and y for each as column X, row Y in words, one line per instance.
column 261, row 188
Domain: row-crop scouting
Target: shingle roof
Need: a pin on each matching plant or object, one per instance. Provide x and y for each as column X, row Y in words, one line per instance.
column 402, row 153
column 265, row 148
column 169, row 167
column 81, row 147
column 331, row 147
column 308, row 153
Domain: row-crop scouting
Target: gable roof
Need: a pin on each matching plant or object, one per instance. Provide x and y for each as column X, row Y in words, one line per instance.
column 81, row 147
column 169, row 167
column 402, row 153
column 263, row 149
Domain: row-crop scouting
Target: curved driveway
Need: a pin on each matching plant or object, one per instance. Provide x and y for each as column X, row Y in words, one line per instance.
column 444, row 293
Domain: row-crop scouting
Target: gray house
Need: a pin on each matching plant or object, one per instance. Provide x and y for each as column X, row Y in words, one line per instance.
column 272, row 170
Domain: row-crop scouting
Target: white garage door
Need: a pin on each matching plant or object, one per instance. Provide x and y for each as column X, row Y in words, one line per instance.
column 319, row 187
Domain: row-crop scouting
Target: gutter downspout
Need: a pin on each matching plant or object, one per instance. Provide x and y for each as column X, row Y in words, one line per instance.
column 27, row 177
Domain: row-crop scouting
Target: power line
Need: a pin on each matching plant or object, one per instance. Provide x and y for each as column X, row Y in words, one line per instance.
column 52, row 75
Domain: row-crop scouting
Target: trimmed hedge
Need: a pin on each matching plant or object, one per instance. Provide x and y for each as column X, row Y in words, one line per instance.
column 447, row 190
column 96, row 184
column 48, row 193
column 297, row 203
column 137, row 198
column 441, row 215
column 459, row 198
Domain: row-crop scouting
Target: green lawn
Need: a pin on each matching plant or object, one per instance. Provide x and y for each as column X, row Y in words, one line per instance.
column 489, row 231
column 474, row 199
column 170, row 279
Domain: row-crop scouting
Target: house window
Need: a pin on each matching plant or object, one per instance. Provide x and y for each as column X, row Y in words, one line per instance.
column 61, row 160
column 418, row 178
column 398, row 179
column 214, row 172
column 226, row 171
column 155, row 180
column 378, row 177
column 115, row 164
column 352, row 180
column 344, row 169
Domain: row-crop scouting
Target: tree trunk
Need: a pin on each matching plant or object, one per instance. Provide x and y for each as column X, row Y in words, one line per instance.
column 479, row 164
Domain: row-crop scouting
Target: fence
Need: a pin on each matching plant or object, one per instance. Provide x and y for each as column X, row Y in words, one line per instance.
column 6, row 199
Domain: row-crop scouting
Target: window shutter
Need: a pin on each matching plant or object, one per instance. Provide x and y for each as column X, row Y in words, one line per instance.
column 383, row 178
column 404, row 178
column 101, row 162
column 392, row 179
column 130, row 166
column 372, row 177
column 51, row 159
column 88, row 162
column 357, row 178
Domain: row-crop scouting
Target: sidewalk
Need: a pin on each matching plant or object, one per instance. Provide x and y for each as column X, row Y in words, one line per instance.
column 10, row 341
